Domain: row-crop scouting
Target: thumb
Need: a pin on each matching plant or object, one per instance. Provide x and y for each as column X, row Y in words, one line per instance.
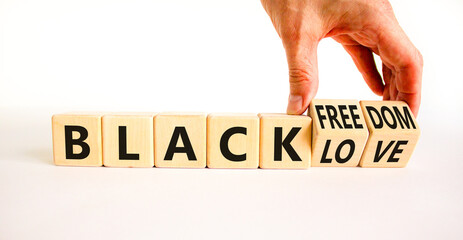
column 303, row 76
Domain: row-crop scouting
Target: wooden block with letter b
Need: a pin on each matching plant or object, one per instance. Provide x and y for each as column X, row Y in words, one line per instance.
column 128, row 140
column 180, row 140
column 285, row 141
column 232, row 140
column 77, row 139
column 394, row 134
column 339, row 133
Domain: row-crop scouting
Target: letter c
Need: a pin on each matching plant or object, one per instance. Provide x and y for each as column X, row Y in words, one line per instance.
column 224, row 144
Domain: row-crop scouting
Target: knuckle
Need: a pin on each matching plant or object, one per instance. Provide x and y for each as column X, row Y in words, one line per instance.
column 413, row 61
column 299, row 76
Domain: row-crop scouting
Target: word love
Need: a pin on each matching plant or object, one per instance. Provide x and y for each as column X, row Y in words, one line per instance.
column 336, row 133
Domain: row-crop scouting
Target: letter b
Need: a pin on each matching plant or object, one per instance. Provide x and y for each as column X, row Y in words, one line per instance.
column 70, row 142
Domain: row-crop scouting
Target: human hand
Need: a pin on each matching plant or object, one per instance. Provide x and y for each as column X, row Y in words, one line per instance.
column 363, row 27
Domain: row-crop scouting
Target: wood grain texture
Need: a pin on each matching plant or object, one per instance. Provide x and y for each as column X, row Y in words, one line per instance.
column 339, row 133
column 184, row 132
column 138, row 128
column 394, row 134
column 91, row 122
column 285, row 141
column 240, row 137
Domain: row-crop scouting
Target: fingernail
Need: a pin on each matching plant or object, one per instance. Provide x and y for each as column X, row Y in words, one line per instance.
column 294, row 104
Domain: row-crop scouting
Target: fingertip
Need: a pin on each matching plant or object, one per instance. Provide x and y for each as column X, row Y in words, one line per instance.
column 415, row 111
column 295, row 105
column 378, row 90
column 413, row 101
column 386, row 95
column 414, row 108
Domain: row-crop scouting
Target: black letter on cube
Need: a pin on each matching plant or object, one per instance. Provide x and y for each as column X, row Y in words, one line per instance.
column 224, row 144
column 187, row 148
column 286, row 143
column 123, row 155
column 69, row 142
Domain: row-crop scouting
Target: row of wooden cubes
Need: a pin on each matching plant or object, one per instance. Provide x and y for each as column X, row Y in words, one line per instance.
column 343, row 133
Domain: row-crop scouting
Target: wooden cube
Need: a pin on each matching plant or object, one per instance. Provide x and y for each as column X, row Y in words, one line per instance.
column 232, row 140
column 77, row 139
column 339, row 133
column 394, row 134
column 180, row 140
column 128, row 140
column 285, row 141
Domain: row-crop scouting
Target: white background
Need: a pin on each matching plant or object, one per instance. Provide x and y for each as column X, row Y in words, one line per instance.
column 209, row 56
